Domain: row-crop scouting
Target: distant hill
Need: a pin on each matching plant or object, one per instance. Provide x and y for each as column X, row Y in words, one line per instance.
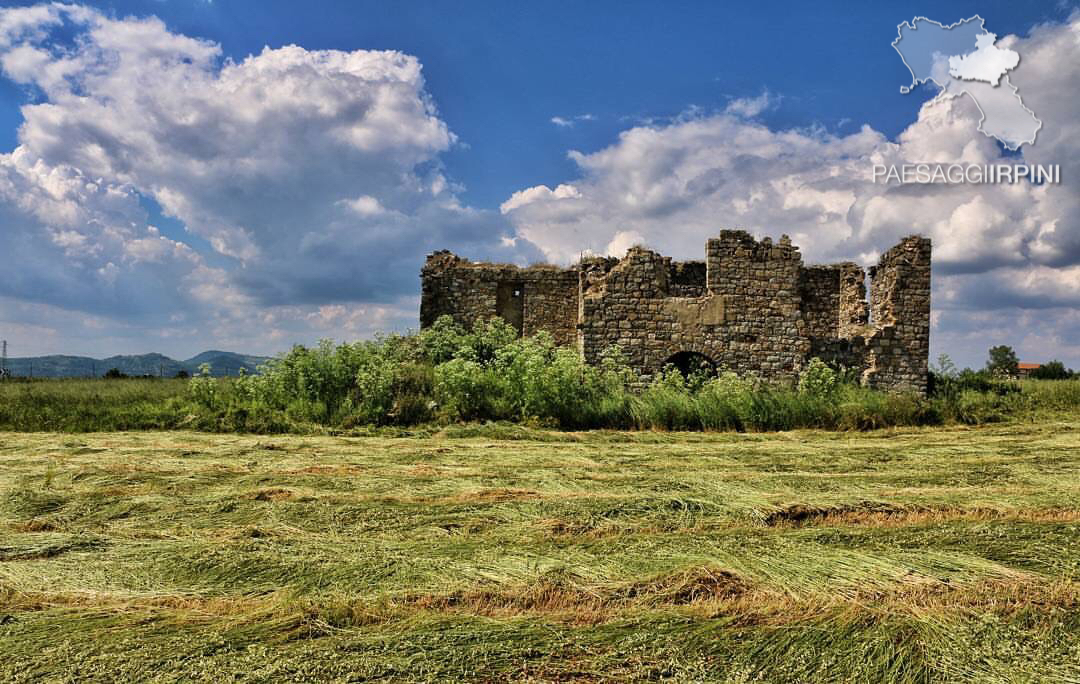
column 59, row 366
column 225, row 363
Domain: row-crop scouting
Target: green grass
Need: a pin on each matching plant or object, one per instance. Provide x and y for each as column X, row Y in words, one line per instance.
column 934, row 554
column 96, row 405
column 90, row 404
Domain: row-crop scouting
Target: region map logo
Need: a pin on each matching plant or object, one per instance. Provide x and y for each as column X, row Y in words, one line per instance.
column 962, row 59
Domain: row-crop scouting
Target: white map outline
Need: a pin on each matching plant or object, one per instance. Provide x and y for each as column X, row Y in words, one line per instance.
column 945, row 94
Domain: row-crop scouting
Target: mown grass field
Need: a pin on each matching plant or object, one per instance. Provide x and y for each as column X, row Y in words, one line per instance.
column 933, row 554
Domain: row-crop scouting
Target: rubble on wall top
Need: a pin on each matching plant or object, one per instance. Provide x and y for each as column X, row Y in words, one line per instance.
column 444, row 260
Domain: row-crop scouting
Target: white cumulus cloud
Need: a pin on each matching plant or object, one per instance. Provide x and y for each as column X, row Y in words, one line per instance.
column 299, row 177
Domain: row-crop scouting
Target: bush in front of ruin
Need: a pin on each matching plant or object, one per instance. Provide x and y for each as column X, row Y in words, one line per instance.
column 447, row 374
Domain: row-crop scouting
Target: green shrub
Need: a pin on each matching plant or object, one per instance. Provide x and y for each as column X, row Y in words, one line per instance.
column 412, row 390
column 817, row 379
column 442, row 341
column 203, row 388
column 529, row 379
column 553, row 384
column 466, row 390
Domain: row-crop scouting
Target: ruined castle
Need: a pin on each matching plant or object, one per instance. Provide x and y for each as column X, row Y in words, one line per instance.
column 752, row 307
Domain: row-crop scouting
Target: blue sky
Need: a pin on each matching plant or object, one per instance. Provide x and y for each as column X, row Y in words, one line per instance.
column 499, row 71
column 495, row 75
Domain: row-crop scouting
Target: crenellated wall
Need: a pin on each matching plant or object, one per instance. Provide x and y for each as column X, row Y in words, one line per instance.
column 751, row 307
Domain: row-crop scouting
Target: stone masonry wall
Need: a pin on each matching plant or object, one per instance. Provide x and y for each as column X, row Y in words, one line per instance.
column 819, row 287
column 469, row 291
column 751, row 307
column 834, row 300
column 899, row 347
column 551, row 304
column 764, row 332
column 748, row 320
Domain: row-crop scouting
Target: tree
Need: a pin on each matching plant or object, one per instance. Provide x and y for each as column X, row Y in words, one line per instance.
column 1052, row 370
column 182, row 374
column 945, row 367
column 1002, row 361
column 115, row 374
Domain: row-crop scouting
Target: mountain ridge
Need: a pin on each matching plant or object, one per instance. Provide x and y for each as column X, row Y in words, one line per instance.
column 222, row 363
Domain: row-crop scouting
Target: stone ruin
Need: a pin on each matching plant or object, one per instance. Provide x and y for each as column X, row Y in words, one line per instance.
column 751, row 307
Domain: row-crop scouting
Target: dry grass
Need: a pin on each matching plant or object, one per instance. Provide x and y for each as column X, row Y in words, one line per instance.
column 902, row 555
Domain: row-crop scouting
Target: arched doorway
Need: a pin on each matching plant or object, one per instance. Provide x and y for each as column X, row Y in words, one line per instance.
column 692, row 363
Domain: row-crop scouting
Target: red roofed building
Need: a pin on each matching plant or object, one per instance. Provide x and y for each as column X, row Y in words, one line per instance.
column 1024, row 369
